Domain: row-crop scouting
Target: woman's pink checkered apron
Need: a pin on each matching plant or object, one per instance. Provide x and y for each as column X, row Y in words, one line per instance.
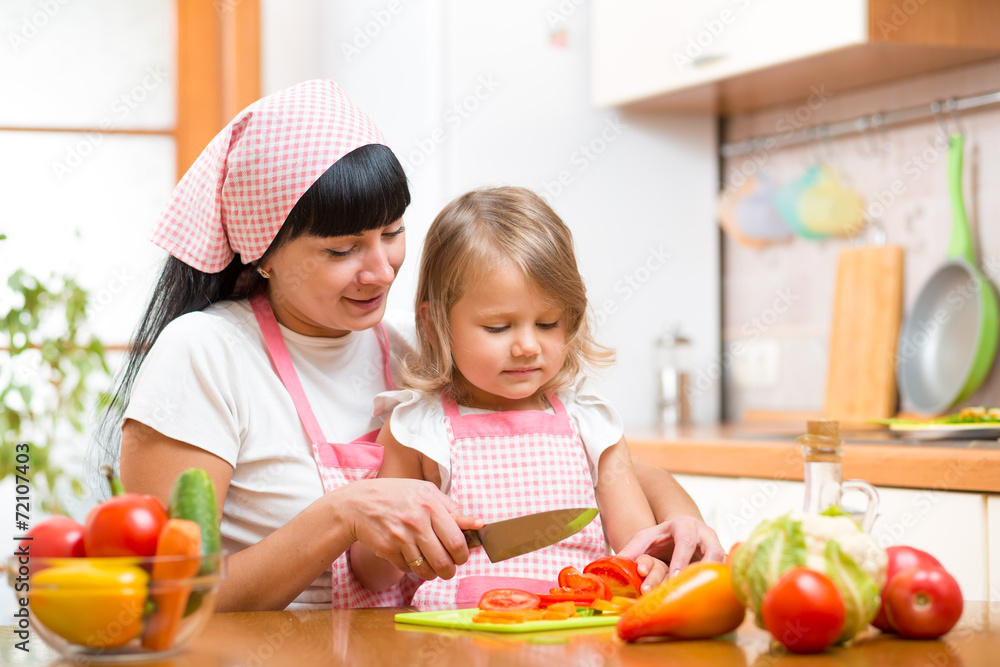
column 506, row 464
column 338, row 464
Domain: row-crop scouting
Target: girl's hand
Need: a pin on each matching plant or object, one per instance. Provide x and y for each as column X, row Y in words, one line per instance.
column 678, row 541
column 652, row 570
column 407, row 521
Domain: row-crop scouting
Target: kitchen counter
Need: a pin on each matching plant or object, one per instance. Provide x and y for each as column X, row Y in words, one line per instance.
column 370, row 638
column 769, row 451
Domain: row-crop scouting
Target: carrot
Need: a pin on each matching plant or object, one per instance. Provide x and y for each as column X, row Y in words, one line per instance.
column 568, row 608
column 603, row 605
column 623, row 604
column 179, row 537
column 512, row 616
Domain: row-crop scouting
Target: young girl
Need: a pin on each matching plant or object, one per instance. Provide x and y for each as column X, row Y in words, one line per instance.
column 494, row 413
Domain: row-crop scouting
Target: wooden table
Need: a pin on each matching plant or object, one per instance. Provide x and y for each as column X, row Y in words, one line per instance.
column 370, row 638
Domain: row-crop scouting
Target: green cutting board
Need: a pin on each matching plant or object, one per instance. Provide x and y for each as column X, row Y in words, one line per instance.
column 462, row 620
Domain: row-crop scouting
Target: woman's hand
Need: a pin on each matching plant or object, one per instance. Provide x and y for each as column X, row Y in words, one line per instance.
column 678, row 541
column 407, row 521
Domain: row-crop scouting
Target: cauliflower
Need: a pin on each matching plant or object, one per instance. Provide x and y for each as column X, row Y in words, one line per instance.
column 831, row 543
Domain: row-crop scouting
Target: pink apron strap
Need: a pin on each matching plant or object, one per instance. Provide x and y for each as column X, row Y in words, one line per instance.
column 449, row 405
column 282, row 362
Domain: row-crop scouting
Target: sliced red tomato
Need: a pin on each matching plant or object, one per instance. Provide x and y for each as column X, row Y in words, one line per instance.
column 571, row 578
column 566, row 595
column 620, row 575
column 508, row 599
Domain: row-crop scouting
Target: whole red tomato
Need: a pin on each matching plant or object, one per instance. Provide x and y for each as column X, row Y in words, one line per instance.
column 56, row 537
column 803, row 610
column 125, row 525
column 620, row 575
column 901, row 558
column 923, row 603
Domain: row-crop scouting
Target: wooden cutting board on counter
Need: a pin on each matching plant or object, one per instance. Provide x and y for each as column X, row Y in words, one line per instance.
column 867, row 315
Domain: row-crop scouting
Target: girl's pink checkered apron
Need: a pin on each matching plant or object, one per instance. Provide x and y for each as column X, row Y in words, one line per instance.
column 507, row 464
column 338, row 464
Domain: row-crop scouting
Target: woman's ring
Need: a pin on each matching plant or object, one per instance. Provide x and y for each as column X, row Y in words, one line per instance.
column 416, row 563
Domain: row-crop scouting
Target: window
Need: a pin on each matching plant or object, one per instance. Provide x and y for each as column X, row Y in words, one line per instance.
column 105, row 103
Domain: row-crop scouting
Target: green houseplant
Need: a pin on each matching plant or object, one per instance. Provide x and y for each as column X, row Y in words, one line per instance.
column 49, row 381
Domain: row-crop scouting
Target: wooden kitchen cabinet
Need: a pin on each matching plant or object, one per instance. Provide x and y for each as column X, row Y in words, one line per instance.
column 950, row 525
column 727, row 56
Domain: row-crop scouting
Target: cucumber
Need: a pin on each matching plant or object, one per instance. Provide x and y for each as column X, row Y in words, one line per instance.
column 193, row 498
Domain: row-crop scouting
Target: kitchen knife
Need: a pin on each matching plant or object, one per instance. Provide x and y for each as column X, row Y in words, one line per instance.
column 512, row 537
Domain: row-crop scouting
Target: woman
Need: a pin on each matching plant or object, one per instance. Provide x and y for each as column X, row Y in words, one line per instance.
column 263, row 347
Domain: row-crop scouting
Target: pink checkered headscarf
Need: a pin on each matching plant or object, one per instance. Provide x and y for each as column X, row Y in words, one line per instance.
column 237, row 194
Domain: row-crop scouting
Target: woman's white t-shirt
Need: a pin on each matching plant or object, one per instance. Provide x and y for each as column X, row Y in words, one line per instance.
column 208, row 381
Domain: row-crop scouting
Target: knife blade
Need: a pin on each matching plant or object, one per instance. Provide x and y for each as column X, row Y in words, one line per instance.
column 512, row 537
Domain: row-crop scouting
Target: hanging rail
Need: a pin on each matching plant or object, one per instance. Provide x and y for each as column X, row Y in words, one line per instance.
column 872, row 122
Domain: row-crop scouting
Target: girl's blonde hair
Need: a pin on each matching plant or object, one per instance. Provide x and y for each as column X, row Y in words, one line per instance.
column 473, row 236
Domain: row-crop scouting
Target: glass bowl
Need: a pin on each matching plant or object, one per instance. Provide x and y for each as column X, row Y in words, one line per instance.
column 111, row 609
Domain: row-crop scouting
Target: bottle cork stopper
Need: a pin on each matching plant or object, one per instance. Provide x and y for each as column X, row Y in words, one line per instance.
column 826, row 427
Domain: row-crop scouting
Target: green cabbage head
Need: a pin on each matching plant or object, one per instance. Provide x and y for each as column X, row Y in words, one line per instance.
column 831, row 543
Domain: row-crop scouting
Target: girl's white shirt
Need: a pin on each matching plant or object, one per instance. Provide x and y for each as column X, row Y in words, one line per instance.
column 418, row 422
column 208, row 381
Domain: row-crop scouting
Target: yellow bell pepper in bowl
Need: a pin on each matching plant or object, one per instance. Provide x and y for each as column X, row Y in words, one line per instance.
column 114, row 608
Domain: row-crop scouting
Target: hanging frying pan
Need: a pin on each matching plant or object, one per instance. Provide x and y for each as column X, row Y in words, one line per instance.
column 949, row 339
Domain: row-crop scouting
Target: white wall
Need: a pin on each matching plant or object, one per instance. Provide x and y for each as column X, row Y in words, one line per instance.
column 472, row 93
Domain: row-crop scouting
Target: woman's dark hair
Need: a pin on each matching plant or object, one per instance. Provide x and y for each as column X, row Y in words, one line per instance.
column 364, row 190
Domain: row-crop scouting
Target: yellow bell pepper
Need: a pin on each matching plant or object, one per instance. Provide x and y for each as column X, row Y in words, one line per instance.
column 91, row 603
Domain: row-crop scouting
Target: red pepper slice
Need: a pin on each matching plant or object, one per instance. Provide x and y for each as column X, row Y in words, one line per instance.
column 560, row 595
column 619, row 574
column 570, row 578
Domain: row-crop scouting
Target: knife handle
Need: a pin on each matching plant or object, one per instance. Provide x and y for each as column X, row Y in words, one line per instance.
column 472, row 538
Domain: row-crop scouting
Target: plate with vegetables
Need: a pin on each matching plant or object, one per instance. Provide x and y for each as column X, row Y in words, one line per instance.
column 970, row 423
column 470, row 619
column 595, row 597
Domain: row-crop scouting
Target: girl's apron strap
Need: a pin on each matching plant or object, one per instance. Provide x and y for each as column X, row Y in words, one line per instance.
column 282, row 362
